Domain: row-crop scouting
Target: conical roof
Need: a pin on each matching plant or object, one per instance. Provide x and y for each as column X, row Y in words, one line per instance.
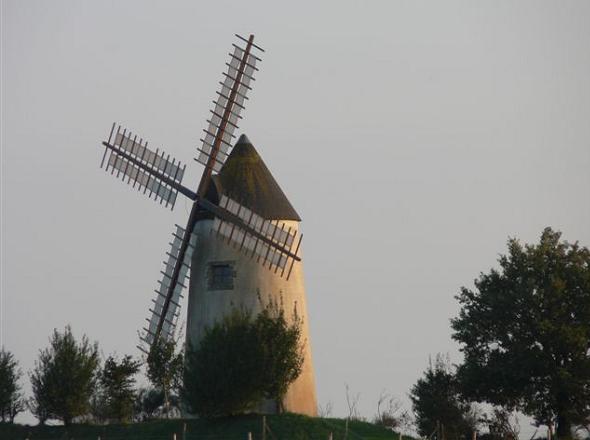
column 245, row 178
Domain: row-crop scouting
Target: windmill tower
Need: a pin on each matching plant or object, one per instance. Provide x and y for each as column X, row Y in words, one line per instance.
column 241, row 240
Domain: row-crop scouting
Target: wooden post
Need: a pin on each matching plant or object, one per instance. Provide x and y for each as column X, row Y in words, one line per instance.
column 400, row 435
column 174, row 436
column 184, row 431
column 263, row 427
column 249, row 436
column 474, row 435
column 330, row 437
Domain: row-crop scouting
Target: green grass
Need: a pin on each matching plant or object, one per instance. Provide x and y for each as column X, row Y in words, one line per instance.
column 285, row 426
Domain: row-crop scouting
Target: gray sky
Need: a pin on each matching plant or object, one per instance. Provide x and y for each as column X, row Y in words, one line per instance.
column 412, row 137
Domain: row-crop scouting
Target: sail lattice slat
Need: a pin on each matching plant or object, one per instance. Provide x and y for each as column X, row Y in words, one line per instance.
column 126, row 152
column 276, row 251
column 236, row 83
column 171, row 318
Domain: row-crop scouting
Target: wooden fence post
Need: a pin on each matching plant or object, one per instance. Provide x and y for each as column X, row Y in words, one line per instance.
column 249, row 436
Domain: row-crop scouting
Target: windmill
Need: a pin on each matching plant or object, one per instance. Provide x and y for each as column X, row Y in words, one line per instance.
column 241, row 236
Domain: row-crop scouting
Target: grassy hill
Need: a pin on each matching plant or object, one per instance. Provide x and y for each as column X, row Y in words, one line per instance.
column 286, row 426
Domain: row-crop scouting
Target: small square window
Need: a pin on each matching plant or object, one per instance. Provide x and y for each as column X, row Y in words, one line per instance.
column 221, row 276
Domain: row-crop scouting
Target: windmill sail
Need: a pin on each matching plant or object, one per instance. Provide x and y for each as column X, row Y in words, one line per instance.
column 229, row 104
column 159, row 303
column 272, row 242
column 153, row 171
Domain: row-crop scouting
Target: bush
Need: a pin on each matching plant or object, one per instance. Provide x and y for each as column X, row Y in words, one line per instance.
column 242, row 360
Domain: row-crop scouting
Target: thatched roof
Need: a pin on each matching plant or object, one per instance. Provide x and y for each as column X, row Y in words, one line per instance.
column 245, row 178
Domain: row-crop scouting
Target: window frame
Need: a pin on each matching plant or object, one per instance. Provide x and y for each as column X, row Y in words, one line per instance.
column 217, row 281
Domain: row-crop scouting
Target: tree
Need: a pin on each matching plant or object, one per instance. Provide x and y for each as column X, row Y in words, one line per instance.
column 117, row 381
column 224, row 374
column 282, row 355
column 503, row 425
column 525, row 333
column 242, row 360
column 38, row 403
column 11, row 398
column 64, row 378
column 164, row 368
column 147, row 403
column 438, row 404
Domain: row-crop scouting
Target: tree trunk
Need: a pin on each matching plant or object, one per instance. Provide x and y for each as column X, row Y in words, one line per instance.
column 564, row 427
column 166, row 404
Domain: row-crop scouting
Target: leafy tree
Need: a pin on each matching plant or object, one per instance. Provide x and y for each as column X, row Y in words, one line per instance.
column 64, row 378
column 224, row 374
column 11, row 398
column 242, row 360
column 525, row 333
column 438, row 404
column 147, row 403
column 117, row 381
column 98, row 411
column 282, row 355
column 164, row 368
column 38, row 403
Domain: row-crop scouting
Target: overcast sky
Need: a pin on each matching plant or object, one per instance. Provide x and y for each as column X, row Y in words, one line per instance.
column 412, row 137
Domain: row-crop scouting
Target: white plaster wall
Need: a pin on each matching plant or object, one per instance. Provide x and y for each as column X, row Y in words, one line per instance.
column 205, row 307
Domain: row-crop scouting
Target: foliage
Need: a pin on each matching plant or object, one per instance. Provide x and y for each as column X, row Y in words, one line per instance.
column 503, row 425
column 98, row 411
column 525, row 332
column 148, row 403
column 164, row 368
column 390, row 413
column 117, row 385
column 38, row 403
column 11, row 398
column 282, row 355
column 64, row 378
column 242, row 360
column 438, row 405
column 224, row 374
